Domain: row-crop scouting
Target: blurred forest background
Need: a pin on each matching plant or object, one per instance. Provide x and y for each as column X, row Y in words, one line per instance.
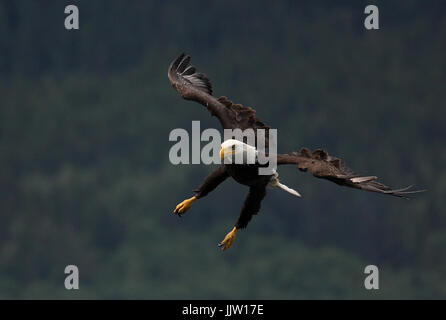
column 85, row 177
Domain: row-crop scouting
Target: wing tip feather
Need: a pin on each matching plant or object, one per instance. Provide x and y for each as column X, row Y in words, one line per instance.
column 181, row 71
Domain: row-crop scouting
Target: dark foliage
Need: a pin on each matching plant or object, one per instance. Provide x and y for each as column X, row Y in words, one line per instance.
column 85, row 177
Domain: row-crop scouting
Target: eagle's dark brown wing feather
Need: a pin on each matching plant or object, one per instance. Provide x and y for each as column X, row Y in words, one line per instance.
column 243, row 117
column 323, row 166
column 197, row 87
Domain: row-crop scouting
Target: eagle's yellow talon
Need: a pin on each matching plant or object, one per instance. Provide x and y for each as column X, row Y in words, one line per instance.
column 184, row 206
column 228, row 240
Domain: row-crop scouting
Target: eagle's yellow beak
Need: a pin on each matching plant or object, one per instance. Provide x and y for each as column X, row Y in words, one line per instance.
column 222, row 153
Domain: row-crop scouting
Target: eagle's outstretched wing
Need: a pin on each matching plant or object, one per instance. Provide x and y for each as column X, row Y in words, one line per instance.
column 197, row 87
column 323, row 166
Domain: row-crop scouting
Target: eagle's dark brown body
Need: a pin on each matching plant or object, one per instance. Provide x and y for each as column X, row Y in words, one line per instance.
column 247, row 175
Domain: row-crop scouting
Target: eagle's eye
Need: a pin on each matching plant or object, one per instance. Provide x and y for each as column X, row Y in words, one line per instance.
column 233, row 147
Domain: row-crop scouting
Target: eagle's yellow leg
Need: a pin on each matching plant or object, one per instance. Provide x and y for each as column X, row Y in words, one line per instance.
column 184, row 206
column 228, row 240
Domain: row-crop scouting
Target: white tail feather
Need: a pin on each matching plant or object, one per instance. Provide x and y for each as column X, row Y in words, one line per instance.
column 287, row 189
column 276, row 184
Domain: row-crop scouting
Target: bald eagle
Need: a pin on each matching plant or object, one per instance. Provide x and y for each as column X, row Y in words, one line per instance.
column 195, row 86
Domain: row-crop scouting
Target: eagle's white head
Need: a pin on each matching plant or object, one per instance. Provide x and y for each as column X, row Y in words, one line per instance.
column 242, row 152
